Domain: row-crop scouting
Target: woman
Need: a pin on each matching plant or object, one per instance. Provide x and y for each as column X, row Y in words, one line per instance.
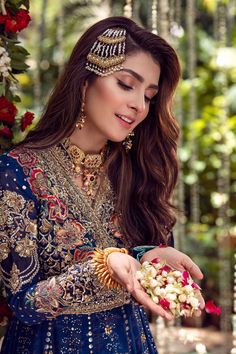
column 92, row 182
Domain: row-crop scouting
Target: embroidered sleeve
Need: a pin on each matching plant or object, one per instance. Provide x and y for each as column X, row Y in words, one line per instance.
column 33, row 299
column 63, row 293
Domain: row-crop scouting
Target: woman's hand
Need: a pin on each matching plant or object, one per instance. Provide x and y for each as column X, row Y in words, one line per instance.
column 123, row 269
column 178, row 261
column 174, row 259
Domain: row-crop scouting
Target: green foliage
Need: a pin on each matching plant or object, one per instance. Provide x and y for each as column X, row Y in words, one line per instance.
column 14, row 5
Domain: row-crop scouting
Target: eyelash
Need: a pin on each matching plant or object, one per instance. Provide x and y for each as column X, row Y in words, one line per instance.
column 128, row 88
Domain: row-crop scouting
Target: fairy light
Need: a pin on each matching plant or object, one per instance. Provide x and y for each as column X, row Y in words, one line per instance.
column 223, row 188
column 128, row 9
column 200, row 348
column 191, row 68
column 60, row 35
column 179, row 231
column 154, row 17
column 160, row 335
column 164, row 21
column 233, row 350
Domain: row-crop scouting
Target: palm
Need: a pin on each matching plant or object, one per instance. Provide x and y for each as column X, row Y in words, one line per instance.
column 124, row 268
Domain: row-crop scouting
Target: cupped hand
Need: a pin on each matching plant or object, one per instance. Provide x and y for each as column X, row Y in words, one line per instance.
column 175, row 259
column 179, row 261
column 123, row 269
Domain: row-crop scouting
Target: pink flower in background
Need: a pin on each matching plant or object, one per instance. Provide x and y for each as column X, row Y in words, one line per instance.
column 212, row 308
column 26, row 120
column 8, row 111
column 15, row 23
column 5, row 132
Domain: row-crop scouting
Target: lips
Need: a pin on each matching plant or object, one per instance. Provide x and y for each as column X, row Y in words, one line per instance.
column 125, row 118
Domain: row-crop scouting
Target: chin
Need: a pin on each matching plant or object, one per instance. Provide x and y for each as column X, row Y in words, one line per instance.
column 117, row 139
column 117, row 136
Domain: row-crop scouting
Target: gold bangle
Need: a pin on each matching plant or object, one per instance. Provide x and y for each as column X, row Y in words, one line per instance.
column 102, row 271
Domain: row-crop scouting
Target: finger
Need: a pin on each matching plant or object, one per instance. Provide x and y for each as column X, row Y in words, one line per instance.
column 144, row 299
column 197, row 313
column 192, row 268
column 202, row 301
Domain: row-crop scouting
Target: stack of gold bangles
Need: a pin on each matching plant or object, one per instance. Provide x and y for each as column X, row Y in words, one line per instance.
column 102, row 271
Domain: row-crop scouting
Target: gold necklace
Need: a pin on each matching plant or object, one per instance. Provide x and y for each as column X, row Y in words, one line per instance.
column 88, row 166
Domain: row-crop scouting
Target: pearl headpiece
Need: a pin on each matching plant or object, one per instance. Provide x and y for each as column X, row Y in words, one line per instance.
column 108, row 52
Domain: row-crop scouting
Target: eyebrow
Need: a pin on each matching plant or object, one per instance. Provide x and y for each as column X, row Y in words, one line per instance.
column 139, row 77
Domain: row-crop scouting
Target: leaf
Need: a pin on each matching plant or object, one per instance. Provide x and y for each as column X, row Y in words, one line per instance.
column 19, row 66
column 9, row 40
column 1, row 89
column 19, row 49
column 16, row 98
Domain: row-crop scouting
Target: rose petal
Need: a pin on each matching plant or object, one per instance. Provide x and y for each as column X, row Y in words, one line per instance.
column 155, row 260
column 165, row 304
column 210, row 307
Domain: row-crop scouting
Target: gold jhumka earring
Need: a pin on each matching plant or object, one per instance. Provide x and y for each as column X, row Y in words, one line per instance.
column 82, row 117
column 128, row 142
column 108, row 52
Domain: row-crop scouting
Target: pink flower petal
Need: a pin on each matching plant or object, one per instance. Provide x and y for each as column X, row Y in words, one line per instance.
column 185, row 277
column 210, row 307
column 195, row 286
column 165, row 304
column 166, row 268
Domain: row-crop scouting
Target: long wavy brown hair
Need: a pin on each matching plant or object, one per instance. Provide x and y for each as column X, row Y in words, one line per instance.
column 148, row 173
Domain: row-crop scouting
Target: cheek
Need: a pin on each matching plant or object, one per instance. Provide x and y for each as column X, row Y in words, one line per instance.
column 104, row 95
column 143, row 115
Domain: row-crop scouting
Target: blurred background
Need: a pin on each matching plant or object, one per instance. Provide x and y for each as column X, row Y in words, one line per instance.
column 203, row 32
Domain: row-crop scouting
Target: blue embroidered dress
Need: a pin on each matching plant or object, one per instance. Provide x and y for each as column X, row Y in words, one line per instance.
column 48, row 232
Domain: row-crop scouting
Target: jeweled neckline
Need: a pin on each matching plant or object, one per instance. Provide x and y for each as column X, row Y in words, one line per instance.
column 84, row 160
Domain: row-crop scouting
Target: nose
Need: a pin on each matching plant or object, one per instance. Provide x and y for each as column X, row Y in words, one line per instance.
column 138, row 103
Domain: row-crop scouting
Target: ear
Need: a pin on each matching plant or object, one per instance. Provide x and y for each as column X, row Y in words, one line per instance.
column 85, row 86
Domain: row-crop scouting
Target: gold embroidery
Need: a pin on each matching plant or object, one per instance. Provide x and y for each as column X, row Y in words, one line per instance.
column 108, row 330
column 71, row 235
column 13, row 200
column 95, row 219
column 18, row 236
column 30, row 227
column 64, row 212
column 15, row 281
column 4, row 251
column 143, row 338
column 46, row 226
column 25, row 247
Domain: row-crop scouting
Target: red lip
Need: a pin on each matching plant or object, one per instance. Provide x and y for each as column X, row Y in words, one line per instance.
column 128, row 117
column 123, row 123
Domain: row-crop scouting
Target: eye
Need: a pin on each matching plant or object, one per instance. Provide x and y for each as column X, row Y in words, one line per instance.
column 124, row 86
column 147, row 99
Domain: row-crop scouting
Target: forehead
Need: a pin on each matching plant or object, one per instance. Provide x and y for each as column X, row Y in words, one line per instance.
column 144, row 65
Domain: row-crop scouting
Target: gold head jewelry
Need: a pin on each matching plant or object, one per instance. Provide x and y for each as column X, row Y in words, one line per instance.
column 108, row 52
column 128, row 142
column 82, row 117
column 102, row 270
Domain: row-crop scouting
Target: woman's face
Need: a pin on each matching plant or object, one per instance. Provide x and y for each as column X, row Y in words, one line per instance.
column 116, row 104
